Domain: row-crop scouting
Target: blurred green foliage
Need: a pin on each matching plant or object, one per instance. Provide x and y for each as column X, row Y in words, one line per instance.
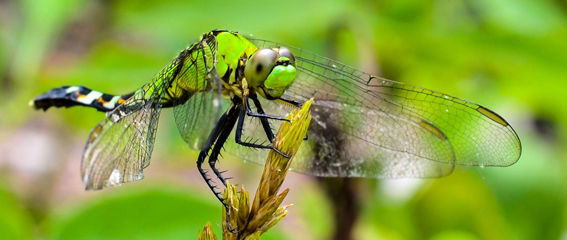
column 507, row 55
column 15, row 222
column 130, row 211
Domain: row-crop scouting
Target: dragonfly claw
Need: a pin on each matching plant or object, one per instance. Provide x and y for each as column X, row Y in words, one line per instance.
column 280, row 152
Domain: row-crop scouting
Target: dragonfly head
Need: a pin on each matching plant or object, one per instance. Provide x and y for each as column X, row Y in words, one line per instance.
column 271, row 71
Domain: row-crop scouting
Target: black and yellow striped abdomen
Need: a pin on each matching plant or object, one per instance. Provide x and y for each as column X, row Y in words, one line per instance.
column 68, row 96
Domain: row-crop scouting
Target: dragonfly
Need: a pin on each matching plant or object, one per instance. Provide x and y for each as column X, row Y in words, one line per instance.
column 228, row 86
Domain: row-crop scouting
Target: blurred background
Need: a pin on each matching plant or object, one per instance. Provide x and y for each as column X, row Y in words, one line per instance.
column 510, row 56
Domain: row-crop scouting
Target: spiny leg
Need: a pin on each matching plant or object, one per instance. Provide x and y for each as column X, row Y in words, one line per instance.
column 292, row 102
column 221, row 124
column 222, row 137
column 250, row 113
column 264, row 121
column 268, row 130
column 289, row 101
column 225, row 124
column 214, row 156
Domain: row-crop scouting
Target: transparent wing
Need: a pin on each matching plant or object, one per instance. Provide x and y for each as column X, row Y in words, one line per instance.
column 120, row 146
column 198, row 103
column 365, row 126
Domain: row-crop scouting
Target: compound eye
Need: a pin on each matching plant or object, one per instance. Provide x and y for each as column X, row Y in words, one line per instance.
column 259, row 66
column 284, row 52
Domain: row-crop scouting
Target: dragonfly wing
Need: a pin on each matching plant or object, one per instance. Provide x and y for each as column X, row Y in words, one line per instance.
column 197, row 100
column 120, row 146
column 331, row 152
column 371, row 127
column 336, row 149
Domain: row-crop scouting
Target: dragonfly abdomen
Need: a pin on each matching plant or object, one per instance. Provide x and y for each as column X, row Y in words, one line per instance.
column 68, row 96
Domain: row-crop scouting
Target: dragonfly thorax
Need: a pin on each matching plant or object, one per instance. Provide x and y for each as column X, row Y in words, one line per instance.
column 270, row 71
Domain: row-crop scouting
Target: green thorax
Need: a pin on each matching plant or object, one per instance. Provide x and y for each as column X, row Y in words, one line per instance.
column 231, row 46
column 198, row 60
column 229, row 52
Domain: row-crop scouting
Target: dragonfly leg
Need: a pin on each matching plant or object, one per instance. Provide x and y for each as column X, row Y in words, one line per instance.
column 218, row 137
column 205, row 152
column 260, row 115
column 222, row 137
column 238, row 135
column 292, row 102
column 264, row 121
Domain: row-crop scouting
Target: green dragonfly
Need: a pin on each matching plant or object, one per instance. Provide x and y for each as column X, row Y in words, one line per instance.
column 362, row 125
